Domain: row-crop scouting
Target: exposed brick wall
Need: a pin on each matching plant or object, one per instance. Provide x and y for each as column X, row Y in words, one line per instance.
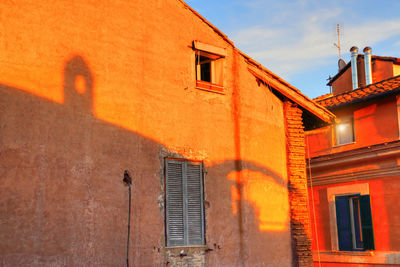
column 297, row 185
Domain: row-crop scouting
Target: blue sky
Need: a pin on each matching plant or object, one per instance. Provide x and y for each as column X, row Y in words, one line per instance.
column 294, row 38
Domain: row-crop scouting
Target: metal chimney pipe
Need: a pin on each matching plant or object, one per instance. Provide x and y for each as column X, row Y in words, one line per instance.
column 367, row 61
column 354, row 52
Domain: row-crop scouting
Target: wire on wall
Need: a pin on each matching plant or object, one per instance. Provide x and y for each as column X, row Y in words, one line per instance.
column 128, row 181
column 312, row 200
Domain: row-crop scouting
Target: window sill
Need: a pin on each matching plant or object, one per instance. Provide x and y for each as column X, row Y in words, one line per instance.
column 346, row 144
column 183, row 251
column 359, row 257
column 211, row 87
column 188, row 247
column 351, row 253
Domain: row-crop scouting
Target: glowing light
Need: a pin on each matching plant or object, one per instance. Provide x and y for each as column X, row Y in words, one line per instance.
column 342, row 127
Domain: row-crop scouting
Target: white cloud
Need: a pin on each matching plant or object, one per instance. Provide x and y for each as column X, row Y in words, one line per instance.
column 372, row 32
column 306, row 40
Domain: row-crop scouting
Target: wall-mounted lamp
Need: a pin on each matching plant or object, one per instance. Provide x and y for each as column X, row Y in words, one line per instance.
column 127, row 178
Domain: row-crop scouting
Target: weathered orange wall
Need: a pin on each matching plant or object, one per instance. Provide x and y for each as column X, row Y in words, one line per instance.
column 326, row 264
column 374, row 123
column 91, row 88
column 381, row 70
column 342, row 83
column 386, row 222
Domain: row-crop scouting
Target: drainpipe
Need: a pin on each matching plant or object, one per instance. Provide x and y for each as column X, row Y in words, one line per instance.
column 354, row 51
column 367, row 60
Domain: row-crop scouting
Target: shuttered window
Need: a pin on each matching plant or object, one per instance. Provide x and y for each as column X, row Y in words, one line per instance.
column 184, row 203
column 354, row 222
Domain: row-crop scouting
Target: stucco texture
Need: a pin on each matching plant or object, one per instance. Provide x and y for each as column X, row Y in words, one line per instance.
column 91, row 88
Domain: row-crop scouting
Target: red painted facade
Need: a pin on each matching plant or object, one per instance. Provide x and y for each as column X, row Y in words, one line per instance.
column 368, row 165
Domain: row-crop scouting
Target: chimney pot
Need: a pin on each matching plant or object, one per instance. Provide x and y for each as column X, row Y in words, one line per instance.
column 354, row 53
column 367, row 63
column 354, row 49
column 367, row 48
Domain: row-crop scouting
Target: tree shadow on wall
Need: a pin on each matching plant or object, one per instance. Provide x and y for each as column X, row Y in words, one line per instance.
column 62, row 201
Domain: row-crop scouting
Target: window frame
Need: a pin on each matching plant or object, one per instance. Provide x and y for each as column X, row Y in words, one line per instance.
column 215, row 56
column 345, row 120
column 347, row 191
column 186, row 219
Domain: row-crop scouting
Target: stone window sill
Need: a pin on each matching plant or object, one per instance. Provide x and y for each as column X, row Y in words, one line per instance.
column 206, row 86
column 364, row 257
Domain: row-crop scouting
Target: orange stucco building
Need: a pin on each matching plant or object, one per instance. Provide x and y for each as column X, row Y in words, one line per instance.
column 354, row 167
column 213, row 141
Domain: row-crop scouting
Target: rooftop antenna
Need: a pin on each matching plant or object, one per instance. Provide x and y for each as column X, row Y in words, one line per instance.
column 341, row 62
column 338, row 43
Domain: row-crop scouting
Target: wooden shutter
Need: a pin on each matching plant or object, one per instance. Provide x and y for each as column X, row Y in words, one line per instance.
column 194, row 191
column 218, row 71
column 343, row 223
column 174, row 203
column 366, row 223
column 184, row 203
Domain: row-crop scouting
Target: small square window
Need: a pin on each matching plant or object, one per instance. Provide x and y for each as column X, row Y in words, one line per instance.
column 345, row 131
column 209, row 67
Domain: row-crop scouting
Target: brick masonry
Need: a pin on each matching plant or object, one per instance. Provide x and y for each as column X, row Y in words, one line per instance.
column 297, row 185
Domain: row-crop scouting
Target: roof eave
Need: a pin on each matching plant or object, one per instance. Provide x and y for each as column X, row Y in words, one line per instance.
column 290, row 92
column 274, row 80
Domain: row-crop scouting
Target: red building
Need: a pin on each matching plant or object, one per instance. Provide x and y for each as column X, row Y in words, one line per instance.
column 354, row 166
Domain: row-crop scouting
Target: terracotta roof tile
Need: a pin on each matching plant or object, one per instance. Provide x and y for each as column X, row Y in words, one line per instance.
column 322, row 97
column 378, row 89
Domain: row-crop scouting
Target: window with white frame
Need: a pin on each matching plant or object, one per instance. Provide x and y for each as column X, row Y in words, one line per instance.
column 184, row 203
column 345, row 131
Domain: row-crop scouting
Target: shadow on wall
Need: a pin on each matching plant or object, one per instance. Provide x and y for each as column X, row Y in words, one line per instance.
column 78, row 85
column 62, row 201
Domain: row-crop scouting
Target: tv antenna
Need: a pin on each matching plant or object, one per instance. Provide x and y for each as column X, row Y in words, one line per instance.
column 338, row 43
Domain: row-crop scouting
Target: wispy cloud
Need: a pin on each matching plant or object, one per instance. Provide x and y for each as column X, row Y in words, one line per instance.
column 294, row 38
column 303, row 41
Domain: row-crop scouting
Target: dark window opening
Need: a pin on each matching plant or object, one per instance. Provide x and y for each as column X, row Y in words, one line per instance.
column 204, row 73
column 354, row 223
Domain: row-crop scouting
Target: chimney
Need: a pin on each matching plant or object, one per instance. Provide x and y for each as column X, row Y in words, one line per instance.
column 354, row 52
column 367, row 60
